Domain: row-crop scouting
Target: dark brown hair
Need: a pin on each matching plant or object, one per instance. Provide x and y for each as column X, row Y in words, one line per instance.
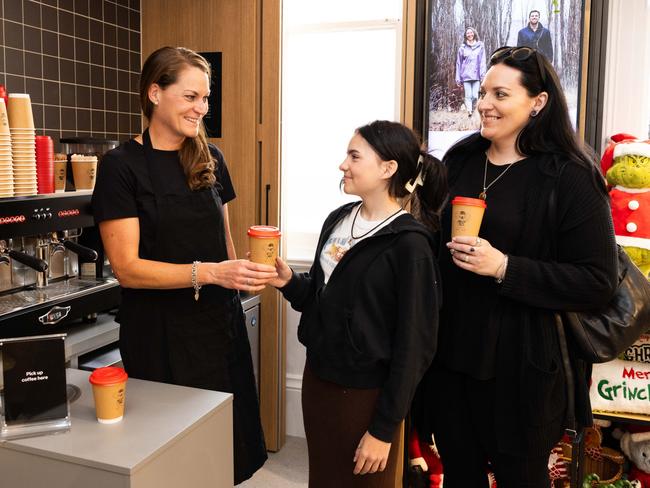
column 163, row 67
column 395, row 141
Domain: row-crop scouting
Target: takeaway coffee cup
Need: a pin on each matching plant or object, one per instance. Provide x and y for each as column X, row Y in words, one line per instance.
column 109, row 391
column 264, row 242
column 84, row 171
column 4, row 119
column 466, row 216
column 19, row 110
column 60, row 172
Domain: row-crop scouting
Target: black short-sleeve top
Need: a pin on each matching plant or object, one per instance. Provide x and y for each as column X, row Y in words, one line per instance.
column 124, row 189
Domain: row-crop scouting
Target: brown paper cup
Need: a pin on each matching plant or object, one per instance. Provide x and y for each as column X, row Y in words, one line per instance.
column 109, row 402
column 4, row 118
column 60, row 169
column 263, row 242
column 466, row 216
column 19, row 110
column 109, row 392
column 84, row 174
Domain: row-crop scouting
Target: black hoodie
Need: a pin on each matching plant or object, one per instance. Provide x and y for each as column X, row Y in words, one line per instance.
column 375, row 323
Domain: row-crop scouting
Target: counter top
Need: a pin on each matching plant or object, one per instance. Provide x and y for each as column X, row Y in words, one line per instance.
column 156, row 416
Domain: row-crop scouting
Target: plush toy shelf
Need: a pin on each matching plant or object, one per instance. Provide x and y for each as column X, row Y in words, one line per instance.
column 622, row 417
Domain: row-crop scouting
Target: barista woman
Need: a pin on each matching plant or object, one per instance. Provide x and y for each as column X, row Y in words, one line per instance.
column 161, row 205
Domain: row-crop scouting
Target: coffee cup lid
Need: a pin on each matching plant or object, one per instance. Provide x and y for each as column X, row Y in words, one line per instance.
column 264, row 231
column 473, row 202
column 109, row 375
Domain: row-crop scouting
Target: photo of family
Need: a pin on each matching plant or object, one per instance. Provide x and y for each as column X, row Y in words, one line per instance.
column 462, row 36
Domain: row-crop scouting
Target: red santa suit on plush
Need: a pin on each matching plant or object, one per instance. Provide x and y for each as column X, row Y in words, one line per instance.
column 425, row 455
column 630, row 206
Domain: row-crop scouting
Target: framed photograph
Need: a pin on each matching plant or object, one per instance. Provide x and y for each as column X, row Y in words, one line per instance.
column 462, row 34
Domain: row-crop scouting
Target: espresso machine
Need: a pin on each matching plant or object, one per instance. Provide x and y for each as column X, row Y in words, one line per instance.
column 47, row 277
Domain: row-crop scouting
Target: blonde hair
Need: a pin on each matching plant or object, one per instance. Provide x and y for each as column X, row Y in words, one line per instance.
column 162, row 67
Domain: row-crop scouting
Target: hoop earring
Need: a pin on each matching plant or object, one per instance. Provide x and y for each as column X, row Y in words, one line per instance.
column 533, row 113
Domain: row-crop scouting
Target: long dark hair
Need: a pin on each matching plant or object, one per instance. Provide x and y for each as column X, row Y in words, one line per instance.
column 163, row 67
column 394, row 141
column 550, row 132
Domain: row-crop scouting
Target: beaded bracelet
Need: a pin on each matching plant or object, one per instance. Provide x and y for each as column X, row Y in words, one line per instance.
column 195, row 283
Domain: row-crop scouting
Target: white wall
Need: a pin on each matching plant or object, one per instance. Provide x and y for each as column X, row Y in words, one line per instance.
column 626, row 99
column 295, row 366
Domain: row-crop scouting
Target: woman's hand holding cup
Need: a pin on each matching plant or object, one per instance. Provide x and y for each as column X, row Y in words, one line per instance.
column 476, row 255
column 237, row 274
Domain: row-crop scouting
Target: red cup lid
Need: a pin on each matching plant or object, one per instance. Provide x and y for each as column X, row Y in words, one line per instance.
column 264, row 231
column 110, row 375
column 474, row 202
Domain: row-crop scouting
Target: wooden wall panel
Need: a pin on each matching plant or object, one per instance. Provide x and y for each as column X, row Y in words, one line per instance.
column 248, row 34
column 229, row 27
column 268, row 135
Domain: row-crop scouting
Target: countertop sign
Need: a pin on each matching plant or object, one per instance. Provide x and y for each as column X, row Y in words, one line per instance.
column 34, row 393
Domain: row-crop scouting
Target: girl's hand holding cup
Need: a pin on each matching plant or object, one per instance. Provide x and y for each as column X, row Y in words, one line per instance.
column 284, row 273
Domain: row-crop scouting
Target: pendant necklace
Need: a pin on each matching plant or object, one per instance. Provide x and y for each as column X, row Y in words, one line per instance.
column 340, row 251
column 483, row 194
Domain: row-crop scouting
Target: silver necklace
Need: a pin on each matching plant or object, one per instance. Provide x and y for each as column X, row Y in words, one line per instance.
column 483, row 194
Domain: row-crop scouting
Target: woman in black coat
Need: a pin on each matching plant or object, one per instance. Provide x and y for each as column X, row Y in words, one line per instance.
column 496, row 395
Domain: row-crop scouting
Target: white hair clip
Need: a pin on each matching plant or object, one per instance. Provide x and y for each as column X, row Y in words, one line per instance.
column 419, row 180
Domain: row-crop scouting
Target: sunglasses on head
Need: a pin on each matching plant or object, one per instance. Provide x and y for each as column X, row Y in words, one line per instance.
column 521, row 53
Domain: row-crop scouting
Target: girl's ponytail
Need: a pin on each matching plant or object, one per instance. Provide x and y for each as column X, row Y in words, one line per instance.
column 428, row 197
column 420, row 180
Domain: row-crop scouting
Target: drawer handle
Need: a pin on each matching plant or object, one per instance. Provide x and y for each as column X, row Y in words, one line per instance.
column 55, row 315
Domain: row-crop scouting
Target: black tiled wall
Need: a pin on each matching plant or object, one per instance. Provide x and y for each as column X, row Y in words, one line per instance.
column 80, row 62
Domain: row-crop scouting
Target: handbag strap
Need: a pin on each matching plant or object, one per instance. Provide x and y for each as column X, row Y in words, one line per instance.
column 571, row 428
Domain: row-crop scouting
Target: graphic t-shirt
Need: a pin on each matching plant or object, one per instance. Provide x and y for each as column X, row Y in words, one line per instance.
column 340, row 240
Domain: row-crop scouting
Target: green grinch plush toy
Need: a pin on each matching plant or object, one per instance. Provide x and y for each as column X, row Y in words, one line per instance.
column 626, row 165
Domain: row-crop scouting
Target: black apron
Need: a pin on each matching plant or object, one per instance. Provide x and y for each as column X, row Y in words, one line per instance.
column 167, row 336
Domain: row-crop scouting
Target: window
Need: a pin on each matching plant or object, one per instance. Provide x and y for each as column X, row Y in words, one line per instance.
column 340, row 70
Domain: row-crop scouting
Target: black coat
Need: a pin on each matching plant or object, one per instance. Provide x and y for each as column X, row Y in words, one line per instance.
column 374, row 324
column 580, row 274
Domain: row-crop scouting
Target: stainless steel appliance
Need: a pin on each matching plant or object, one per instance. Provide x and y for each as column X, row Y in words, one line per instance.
column 251, row 306
column 41, row 284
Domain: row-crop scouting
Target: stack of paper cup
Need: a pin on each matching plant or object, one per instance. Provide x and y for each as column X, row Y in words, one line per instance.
column 23, row 144
column 45, row 164
column 6, row 168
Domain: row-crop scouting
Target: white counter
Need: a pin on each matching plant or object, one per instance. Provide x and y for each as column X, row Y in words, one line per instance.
column 171, row 436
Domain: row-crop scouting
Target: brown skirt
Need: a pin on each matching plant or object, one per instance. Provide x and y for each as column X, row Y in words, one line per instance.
column 335, row 420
